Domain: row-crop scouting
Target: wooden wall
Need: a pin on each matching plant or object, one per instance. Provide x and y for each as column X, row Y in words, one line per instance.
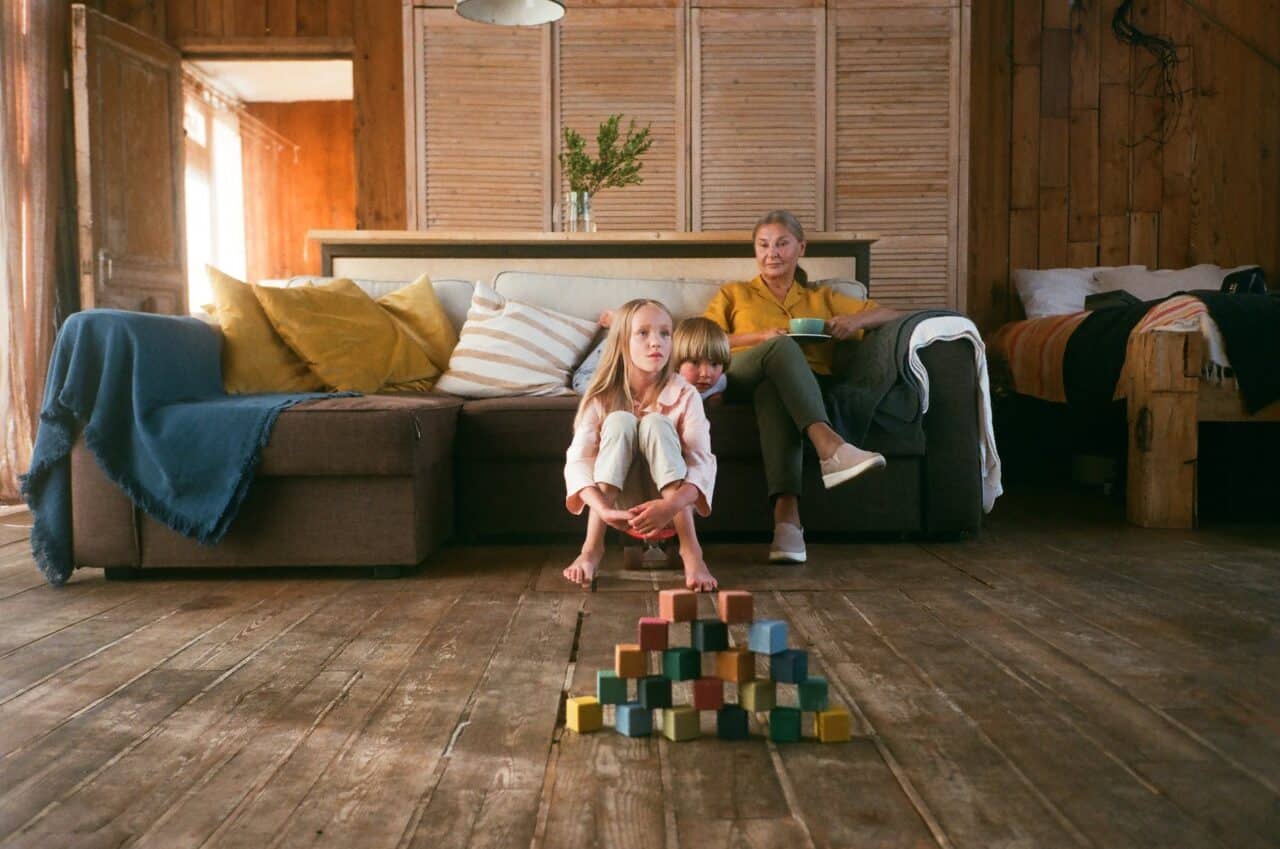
column 1059, row 172
column 369, row 31
column 287, row 194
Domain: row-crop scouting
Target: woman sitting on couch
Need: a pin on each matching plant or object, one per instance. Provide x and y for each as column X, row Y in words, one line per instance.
column 785, row 380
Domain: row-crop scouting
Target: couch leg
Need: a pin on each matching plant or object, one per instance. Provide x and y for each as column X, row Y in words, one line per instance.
column 387, row 572
column 122, row 573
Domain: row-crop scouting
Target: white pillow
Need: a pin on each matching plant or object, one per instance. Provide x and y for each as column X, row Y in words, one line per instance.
column 1058, row 291
column 510, row 348
column 1151, row 285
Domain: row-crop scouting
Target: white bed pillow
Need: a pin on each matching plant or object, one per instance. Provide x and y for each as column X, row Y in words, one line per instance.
column 1148, row 285
column 510, row 348
column 1059, row 291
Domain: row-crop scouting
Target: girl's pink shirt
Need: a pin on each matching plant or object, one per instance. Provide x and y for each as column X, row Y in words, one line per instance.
column 679, row 401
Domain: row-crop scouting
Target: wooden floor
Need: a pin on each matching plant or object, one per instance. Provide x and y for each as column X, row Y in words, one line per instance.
column 1064, row 681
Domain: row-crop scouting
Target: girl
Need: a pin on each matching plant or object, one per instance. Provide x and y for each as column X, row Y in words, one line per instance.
column 641, row 453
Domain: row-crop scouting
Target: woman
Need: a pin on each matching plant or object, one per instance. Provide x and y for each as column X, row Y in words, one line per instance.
column 783, row 379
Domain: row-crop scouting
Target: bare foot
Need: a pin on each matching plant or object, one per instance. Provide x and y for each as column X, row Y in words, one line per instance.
column 583, row 569
column 697, row 576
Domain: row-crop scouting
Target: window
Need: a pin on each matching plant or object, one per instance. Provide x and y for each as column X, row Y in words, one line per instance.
column 214, row 182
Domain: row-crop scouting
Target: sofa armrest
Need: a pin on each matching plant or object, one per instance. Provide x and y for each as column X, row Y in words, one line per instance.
column 952, row 471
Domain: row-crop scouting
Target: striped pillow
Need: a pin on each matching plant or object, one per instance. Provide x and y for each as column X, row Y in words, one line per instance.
column 509, row 348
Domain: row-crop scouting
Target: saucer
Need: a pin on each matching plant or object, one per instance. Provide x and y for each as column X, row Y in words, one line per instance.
column 810, row 337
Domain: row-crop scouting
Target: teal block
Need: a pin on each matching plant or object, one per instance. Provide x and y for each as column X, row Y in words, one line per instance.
column 710, row 635
column 610, row 689
column 813, row 693
column 633, row 720
column 790, row 666
column 784, row 725
column 767, row 636
column 682, row 664
column 654, row 691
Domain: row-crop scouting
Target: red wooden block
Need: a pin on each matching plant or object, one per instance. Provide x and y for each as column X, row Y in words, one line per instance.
column 708, row 694
column 678, row 605
column 653, row 633
column 735, row 606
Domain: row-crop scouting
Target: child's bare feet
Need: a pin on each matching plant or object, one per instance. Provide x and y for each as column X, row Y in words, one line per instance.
column 697, row 576
column 584, row 567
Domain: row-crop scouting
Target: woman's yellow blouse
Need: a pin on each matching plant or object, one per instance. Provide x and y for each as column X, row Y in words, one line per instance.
column 750, row 306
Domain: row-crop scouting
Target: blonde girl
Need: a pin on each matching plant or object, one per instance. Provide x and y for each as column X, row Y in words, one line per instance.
column 640, row 459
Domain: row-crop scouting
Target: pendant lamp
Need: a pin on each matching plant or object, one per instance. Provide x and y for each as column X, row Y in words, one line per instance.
column 512, row 13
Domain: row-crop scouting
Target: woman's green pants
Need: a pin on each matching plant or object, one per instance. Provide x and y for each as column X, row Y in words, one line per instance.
column 788, row 398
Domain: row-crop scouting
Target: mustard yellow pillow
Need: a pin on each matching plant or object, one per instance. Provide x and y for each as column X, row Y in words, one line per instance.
column 254, row 357
column 417, row 307
column 346, row 338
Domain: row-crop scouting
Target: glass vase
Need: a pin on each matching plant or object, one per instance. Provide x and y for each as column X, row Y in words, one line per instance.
column 576, row 213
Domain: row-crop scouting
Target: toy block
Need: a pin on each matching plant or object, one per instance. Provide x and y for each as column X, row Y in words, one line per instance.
column 768, row 636
column 678, row 605
column 757, row 695
column 813, row 693
column 833, row 725
column 633, row 720
column 583, row 714
column 735, row 606
column 790, row 666
column 682, row 664
column 708, row 694
column 652, row 633
column 610, row 689
column 710, row 635
column 731, row 723
column 654, row 691
column 680, row 723
column 784, row 725
column 736, row 664
column 629, row 661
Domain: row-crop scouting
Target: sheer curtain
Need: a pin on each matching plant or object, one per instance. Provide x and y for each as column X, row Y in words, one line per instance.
column 34, row 42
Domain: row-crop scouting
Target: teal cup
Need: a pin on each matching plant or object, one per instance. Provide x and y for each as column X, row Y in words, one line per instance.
column 808, row 326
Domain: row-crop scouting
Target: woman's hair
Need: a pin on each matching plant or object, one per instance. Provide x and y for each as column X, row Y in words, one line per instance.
column 786, row 219
column 699, row 339
column 609, row 385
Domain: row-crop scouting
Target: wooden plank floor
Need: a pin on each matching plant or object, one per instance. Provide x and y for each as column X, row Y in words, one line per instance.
column 1063, row 681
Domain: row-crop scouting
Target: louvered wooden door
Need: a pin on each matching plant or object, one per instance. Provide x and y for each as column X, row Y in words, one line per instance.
column 481, row 117
column 629, row 61
column 758, row 116
column 896, row 129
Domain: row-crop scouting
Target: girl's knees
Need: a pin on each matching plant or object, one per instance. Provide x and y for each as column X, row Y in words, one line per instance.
column 618, row 423
column 653, row 424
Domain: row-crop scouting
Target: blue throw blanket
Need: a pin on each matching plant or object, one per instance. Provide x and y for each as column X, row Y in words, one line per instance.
column 146, row 390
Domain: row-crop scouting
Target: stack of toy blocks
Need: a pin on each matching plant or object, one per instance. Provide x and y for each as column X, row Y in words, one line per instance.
column 728, row 664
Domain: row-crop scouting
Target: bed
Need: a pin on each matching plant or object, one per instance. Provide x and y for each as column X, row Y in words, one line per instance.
column 1175, row 374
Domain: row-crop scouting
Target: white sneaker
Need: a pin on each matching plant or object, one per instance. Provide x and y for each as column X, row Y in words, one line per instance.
column 788, row 544
column 847, row 463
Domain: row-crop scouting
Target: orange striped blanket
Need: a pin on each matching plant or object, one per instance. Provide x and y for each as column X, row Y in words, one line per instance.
column 1032, row 350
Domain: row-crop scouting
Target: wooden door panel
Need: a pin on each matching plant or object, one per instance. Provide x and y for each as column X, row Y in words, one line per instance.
column 128, row 109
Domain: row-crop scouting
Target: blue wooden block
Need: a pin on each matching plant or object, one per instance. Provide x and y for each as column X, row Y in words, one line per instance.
column 813, row 693
column 790, row 666
column 731, row 723
column 654, row 691
column 610, row 689
column 710, row 635
column 633, row 720
column 768, row 636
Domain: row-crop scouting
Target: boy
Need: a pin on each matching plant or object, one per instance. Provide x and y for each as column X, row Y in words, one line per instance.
column 700, row 352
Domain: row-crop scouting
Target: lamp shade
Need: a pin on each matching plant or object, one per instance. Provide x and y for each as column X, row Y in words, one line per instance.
column 519, row 13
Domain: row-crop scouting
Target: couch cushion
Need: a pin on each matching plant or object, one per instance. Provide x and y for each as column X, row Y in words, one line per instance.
column 362, row 435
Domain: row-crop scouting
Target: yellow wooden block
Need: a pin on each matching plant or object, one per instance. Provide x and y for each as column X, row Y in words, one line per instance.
column 833, row 725
column 583, row 714
column 629, row 661
column 757, row 696
column 680, row 723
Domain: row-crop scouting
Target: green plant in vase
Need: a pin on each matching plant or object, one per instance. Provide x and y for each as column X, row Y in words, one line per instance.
column 616, row 164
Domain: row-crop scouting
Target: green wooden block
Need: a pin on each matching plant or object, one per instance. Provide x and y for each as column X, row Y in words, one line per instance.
column 758, row 695
column 610, row 689
column 654, row 691
column 710, row 635
column 731, row 723
column 813, row 693
column 680, row 723
column 682, row 664
column 784, row 725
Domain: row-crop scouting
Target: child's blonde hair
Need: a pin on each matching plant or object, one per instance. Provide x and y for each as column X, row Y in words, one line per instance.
column 609, row 384
column 697, row 339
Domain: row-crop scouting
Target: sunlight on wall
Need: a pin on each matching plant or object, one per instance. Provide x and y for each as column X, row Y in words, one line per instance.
column 214, row 196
